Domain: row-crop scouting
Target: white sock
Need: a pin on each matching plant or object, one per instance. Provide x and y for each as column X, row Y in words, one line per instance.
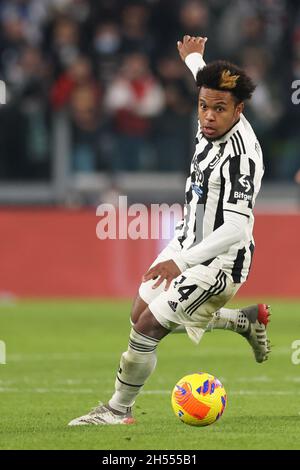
column 136, row 365
column 224, row 319
column 229, row 319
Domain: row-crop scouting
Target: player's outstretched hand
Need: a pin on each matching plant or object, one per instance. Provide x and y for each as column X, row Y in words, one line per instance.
column 191, row 44
column 167, row 270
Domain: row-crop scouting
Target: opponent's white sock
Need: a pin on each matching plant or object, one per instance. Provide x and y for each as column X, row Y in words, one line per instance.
column 136, row 365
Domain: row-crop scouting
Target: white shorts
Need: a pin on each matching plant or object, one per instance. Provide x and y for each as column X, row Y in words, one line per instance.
column 192, row 297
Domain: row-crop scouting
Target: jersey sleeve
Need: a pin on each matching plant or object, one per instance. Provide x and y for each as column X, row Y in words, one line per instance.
column 216, row 243
column 195, row 62
column 238, row 173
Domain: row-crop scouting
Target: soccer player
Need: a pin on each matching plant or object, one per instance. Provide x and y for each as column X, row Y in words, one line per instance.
column 210, row 256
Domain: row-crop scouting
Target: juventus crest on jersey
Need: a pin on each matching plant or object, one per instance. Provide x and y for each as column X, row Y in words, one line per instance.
column 225, row 175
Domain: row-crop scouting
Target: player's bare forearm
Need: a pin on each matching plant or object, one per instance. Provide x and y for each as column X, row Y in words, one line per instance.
column 167, row 270
column 191, row 44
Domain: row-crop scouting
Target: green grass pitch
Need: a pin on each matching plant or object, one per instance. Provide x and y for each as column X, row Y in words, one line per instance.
column 62, row 357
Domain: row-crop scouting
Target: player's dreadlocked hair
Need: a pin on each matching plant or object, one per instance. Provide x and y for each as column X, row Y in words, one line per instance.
column 225, row 76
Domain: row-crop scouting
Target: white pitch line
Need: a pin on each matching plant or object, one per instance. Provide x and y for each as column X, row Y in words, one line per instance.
column 44, row 385
column 234, row 392
column 24, row 357
column 146, row 392
column 75, row 356
column 46, row 390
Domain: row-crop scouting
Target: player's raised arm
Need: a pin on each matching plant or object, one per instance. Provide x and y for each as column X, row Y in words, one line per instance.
column 191, row 51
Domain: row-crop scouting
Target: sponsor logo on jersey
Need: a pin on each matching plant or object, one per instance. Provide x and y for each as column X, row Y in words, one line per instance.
column 197, row 189
column 242, row 189
column 173, row 305
column 245, row 183
column 243, row 196
column 215, row 161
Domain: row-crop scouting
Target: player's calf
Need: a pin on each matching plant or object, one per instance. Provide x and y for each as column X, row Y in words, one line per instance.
column 136, row 366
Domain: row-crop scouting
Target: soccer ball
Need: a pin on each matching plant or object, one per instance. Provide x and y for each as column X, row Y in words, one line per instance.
column 199, row 399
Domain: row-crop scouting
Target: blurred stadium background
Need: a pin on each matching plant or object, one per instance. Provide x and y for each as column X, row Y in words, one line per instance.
column 98, row 104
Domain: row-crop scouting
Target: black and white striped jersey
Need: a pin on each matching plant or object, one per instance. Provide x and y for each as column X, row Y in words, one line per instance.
column 225, row 175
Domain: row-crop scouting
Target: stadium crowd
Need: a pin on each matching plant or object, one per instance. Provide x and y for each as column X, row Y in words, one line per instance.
column 111, row 69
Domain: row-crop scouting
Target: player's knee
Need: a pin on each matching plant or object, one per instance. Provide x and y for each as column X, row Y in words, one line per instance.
column 148, row 325
column 139, row 305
